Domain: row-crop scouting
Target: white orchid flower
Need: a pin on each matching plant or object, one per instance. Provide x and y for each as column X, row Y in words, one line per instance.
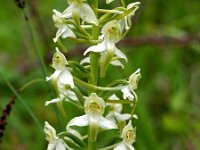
column 128, row 136
column 127, row 19
column 82, row 10
column 132, row 85
column 64, row 30
column 54, row 142
column 115, row 111
column 62, row 79
column 94, row 109
column 111, row 34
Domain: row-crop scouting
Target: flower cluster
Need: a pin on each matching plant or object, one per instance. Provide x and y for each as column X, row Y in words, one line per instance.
column 77, row 83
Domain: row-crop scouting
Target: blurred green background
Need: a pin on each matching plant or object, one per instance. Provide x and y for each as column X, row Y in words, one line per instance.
column 164, row 42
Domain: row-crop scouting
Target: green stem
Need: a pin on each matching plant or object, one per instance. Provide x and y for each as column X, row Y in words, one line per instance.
column 135, row 103
column 79, row 95
column 94, row 61
column 109, row 11
column 119, row 101
column 94, row 87
column 29, row 84
column 94, row 69
column 123, row 3
column 91, row 145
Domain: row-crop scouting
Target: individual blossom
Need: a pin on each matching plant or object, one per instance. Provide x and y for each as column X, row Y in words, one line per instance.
column 111, row 34
column 115, row 111
column 94, row 109
column 64, row 30
column 62, row 79
column 128, row 90
column 126, row 21
column 80, row 9
column 128, row 136
column 55, row 143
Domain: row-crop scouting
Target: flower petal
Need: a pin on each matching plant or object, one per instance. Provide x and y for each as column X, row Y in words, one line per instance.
column 51, row 146
column 67, row 13
column 64, row 31
column 131, row 5
column 97, row 48
column 65, row 78
column 135, row 116
column 53, row 101
column 121, row 146
column 106, row 124
column 109, row 1
column 131, row 147
column 85, row 60
column 113, row 97
column 79, row 121
column 122, row 117
column 60, row 145
column 87, row 14
column 127, row 93
column 117, row 63
column 68, row 33
column 119, row 54
column 50, row 132
column 71, row 95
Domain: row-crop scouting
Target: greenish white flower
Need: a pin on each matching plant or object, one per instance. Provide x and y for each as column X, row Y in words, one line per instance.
column 128, row 136
column 80, row 9
column 64, row 30
column 55, row 143
column 126, row 22
column 115, row 111
column 94, row 109
column 111, row 34
column 132, row 85
column 62, row 79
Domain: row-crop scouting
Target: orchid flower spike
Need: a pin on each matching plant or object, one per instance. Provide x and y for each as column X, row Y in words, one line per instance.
column 128, row 136
column 54, row 142
column 128, row 90
column 80, row 9
column 64, row 30
column 62, row 79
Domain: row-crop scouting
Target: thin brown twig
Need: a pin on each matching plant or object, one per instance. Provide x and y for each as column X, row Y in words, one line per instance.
column 5, row 113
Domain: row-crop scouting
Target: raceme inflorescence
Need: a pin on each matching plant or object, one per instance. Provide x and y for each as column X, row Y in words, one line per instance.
column 77, row 83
